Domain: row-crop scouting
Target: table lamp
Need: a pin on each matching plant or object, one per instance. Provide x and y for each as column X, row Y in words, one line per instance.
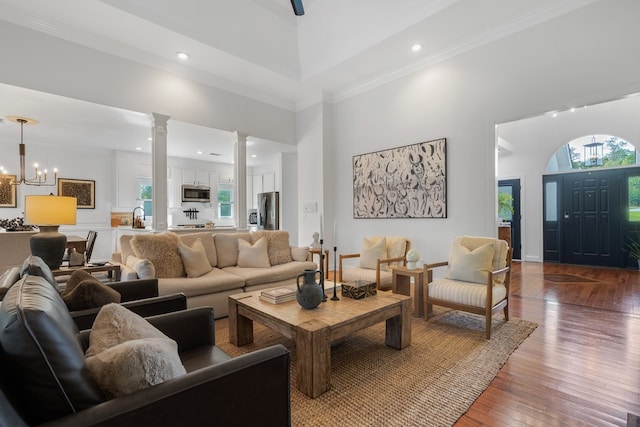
column 48, row 213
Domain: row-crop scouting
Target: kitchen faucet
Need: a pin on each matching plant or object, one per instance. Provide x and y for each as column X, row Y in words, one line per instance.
column 134, row 224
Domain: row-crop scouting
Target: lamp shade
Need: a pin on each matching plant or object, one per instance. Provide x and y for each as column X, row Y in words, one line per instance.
column 50, row 210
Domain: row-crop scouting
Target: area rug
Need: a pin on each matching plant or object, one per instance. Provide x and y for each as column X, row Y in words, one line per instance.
column 433, row 382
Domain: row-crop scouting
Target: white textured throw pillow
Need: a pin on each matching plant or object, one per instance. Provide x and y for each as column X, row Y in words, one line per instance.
column 255, row 256
column 372, row 251
column 194, row 259
column 143, row 267
column 116, row 324
column 471, row 266
column 135, row 365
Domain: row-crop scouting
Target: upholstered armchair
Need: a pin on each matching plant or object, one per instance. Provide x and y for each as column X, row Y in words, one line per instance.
column 376, row 258
column 477, row 280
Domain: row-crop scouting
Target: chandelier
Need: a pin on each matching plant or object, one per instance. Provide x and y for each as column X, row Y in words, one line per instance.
column 40, row 177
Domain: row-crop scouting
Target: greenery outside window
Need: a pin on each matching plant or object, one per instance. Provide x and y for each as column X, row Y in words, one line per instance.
column 145, row 194
column 225, row 201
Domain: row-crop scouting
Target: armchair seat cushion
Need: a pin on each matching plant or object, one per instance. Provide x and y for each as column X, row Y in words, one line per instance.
column 359, row 273
column 466, row 293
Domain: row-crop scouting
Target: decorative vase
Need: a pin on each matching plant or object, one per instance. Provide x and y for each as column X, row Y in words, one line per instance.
column 310, row 294
column 412, row 259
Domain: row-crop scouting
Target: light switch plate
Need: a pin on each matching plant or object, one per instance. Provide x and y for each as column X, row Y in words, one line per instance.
column 310, row 207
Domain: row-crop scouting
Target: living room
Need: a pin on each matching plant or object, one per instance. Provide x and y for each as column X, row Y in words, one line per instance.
column 557, row 59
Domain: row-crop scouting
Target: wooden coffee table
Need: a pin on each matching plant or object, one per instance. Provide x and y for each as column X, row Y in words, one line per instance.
column 314, row 330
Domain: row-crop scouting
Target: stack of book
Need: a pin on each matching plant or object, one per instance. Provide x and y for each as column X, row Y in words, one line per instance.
column 278, row 295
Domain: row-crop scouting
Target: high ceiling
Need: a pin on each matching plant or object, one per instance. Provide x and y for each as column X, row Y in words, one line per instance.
column 260, row 49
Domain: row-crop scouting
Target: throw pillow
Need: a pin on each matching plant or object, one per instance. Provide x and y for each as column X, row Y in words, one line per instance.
column 277, row 245
column 396, row 247
column 162, row 250
column 143, row 267
column 227, row 247
column 116, row 324
column 194, row 259
column 135, row 365
column 372, row 251
column 254, row 256
column 468, row 265
column 207, row 241
column 300, row 253
column 89, row 292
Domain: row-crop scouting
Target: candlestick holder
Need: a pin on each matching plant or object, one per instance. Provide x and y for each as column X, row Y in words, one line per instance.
column 324, row 294
column 335, row 274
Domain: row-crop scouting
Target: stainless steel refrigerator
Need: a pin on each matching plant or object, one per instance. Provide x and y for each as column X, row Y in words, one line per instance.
column 269, row 211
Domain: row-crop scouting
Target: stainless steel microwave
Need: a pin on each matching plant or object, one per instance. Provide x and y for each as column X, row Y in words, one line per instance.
column 196, row 193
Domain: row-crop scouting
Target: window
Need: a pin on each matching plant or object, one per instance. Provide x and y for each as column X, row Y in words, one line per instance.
column 145, row 194
column 225, row 201
column 633, row 185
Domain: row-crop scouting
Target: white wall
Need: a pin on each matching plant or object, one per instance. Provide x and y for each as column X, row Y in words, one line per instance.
column 533, row 142
column 555, row 65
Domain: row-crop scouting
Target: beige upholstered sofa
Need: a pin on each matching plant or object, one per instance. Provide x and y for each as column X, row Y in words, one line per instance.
column 209, row 267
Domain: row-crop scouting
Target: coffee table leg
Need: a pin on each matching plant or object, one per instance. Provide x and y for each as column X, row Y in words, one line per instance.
column 313, row 347
column 398, row 332
column 240, row 327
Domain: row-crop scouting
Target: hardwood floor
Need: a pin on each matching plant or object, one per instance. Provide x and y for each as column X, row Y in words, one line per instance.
column 581, row 366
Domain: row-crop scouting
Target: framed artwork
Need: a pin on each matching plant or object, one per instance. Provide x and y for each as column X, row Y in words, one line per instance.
column 82, row 189
column 8, row 191
column 403, row 182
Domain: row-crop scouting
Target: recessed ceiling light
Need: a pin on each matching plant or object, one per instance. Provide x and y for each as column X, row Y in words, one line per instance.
column 150, row 139
column 198, row 152
column 138, row 148
column 183, row 56
column 416, row 47
column 254, row 156
column 555, row 114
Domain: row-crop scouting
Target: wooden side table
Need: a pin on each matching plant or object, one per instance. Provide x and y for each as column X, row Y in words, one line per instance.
column 316, row 251
column 401, row 284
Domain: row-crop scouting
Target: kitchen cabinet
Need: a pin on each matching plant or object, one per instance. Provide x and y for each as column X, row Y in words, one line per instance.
column 268, row 182
column 255, row 190
column 196, row 177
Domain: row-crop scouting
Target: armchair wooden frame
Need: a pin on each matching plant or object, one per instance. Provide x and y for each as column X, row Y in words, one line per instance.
column 379, row 263
column 490, row 308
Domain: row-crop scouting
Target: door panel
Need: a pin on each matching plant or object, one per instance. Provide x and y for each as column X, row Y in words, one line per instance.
column 512, row 187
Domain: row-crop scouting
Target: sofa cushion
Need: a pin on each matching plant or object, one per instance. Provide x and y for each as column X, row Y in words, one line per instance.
column 371, row 251
column 144, row 269
column 85, row 291
column 207, row 241
column 8, row 279
column 277, row 243
column 276, row 273
column 254, row 256
column 125, row 246
column 214, row 281
column 466, row 293
column 116, row 324
column 194, row 259
column 42, row 351
column 162, row 250
column 35, row 266
column 227, row 247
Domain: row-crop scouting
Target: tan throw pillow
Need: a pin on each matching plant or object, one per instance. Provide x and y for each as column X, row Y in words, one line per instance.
column 372, row 251
column 135, row 365
column 195, row 259
column 207, row 241
column 143, row 267
column 470, row 266
column 254, row 256
column 116, row 324
column 162, row 251
column 299, row 253
column 227, row 247
column 277, row 245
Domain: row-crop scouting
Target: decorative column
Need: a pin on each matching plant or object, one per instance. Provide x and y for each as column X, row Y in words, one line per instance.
column 240, row 180
column 159, row 171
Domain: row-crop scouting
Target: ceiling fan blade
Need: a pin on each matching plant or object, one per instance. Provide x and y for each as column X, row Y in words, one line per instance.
column 298, row 9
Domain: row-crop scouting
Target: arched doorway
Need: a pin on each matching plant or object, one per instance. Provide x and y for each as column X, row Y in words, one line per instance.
column 589, row 202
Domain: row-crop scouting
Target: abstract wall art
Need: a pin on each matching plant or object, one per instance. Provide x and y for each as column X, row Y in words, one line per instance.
column 8, row 191
column 82, row 189
column 402, row 182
